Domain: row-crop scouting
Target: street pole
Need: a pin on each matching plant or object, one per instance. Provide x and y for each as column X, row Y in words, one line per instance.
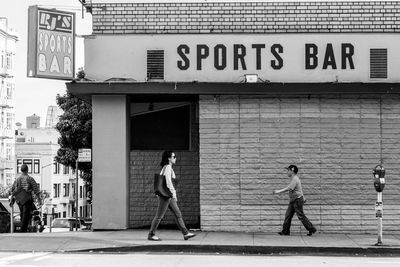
column 76, row 196
column 41, row 189
column 51, row 216
column 12, row 219
column 379, row 215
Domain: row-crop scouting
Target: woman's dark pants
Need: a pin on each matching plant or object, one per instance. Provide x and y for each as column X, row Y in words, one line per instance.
column 163, row 204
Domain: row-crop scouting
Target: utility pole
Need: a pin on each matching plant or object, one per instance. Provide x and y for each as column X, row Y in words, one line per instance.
column 84, row 155
column 76, row 196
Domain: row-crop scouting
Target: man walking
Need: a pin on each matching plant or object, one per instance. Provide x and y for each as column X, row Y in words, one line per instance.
column 296, row 203
column 29, row 185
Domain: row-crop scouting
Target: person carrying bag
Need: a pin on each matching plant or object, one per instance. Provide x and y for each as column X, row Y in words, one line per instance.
column 21, row 193
column 166, row 194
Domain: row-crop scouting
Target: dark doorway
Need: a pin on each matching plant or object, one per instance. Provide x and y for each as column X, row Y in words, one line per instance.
column 166, row 129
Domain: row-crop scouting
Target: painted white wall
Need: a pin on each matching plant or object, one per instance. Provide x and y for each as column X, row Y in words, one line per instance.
column 110, row 162
column 124, row 56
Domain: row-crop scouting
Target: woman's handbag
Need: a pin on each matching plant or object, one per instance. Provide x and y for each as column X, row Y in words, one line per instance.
column 160, row 186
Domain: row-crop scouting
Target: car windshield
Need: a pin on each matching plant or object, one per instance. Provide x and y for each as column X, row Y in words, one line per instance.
column 63, row 223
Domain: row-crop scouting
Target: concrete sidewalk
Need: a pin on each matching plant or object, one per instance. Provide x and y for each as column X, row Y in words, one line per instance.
column 206, row 242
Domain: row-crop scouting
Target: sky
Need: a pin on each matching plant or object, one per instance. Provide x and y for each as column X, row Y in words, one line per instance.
column 34, row 95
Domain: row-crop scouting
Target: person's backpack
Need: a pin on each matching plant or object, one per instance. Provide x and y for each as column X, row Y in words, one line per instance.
column 21, row 195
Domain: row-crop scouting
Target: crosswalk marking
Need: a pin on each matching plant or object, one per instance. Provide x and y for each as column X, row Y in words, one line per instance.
column 42, row 258
column 18, row 257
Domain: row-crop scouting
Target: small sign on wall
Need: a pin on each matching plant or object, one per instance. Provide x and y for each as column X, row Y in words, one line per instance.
column 84, row 155
column 51, row 43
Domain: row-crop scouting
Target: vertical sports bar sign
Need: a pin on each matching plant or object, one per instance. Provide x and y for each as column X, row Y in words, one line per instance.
column 51, row 43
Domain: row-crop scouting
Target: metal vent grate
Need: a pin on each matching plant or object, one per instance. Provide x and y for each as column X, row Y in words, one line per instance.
column 155, row 64
column 378, row 63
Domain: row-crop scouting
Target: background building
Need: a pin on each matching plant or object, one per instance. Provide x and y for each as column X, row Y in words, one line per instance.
column 53, row 114
column 8, row 41
column 33, row 121
column 37, row 147
column 323, row 94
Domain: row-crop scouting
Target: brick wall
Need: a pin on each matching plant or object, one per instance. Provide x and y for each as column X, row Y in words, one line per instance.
column 143, row 166
column 246, row 141
column 246, row 17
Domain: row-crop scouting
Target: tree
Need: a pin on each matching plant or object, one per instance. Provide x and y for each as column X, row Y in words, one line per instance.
column 5, row 191
column 75, row 128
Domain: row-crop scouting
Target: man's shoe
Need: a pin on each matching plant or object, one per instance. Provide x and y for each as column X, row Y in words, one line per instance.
column 153, row 238
column 188, row 235
column 282, row 233
column 310, row 233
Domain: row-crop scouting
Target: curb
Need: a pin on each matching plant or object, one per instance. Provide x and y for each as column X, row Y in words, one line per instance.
column 251, row 250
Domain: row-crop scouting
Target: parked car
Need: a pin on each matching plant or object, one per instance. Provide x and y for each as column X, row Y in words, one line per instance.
column 63, row 225
column 5, row 211
column 86, row 223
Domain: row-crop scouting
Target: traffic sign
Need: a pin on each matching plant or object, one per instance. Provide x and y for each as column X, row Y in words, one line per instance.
column 84, row 155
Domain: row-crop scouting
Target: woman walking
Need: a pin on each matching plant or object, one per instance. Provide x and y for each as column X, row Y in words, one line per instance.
column 168, row 159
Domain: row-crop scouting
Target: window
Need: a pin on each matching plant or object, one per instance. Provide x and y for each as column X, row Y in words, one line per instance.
column 10, row 90
column 161, row 130
column 66, row 190
column 80, row 211
column 10, row 119
column 36, row 166
column 66, row 169
column 80, row 192
column 28, row 162
column 9, row 151
column 19, row 163
column 73, row 190
column 56, row 166
column 56, row 188
column 9, row 61
column 64, row 214
column 33, row 164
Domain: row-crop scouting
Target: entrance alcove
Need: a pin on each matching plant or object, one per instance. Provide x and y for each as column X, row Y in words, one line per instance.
column 159, row 123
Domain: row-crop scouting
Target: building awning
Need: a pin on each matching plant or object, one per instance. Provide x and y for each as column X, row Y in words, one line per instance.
column 88, row 88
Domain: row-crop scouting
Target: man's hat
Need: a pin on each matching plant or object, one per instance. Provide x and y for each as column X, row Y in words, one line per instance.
column 292, row 168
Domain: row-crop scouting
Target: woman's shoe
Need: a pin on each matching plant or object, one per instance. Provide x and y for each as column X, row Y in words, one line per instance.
column 188, row 235
column 153, row 238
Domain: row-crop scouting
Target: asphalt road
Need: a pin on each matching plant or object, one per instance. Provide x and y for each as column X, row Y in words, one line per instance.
column 166, row 260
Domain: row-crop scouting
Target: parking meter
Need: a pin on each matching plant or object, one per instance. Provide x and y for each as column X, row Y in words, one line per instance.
column 379, row 178
column 379, row 184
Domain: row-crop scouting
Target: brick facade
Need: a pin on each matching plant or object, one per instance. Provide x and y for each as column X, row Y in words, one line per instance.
column 246, row 17
column 246, row 141
column 143, row 166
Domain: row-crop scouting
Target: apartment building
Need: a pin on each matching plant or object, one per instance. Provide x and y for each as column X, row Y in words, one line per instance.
column 8, row 40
